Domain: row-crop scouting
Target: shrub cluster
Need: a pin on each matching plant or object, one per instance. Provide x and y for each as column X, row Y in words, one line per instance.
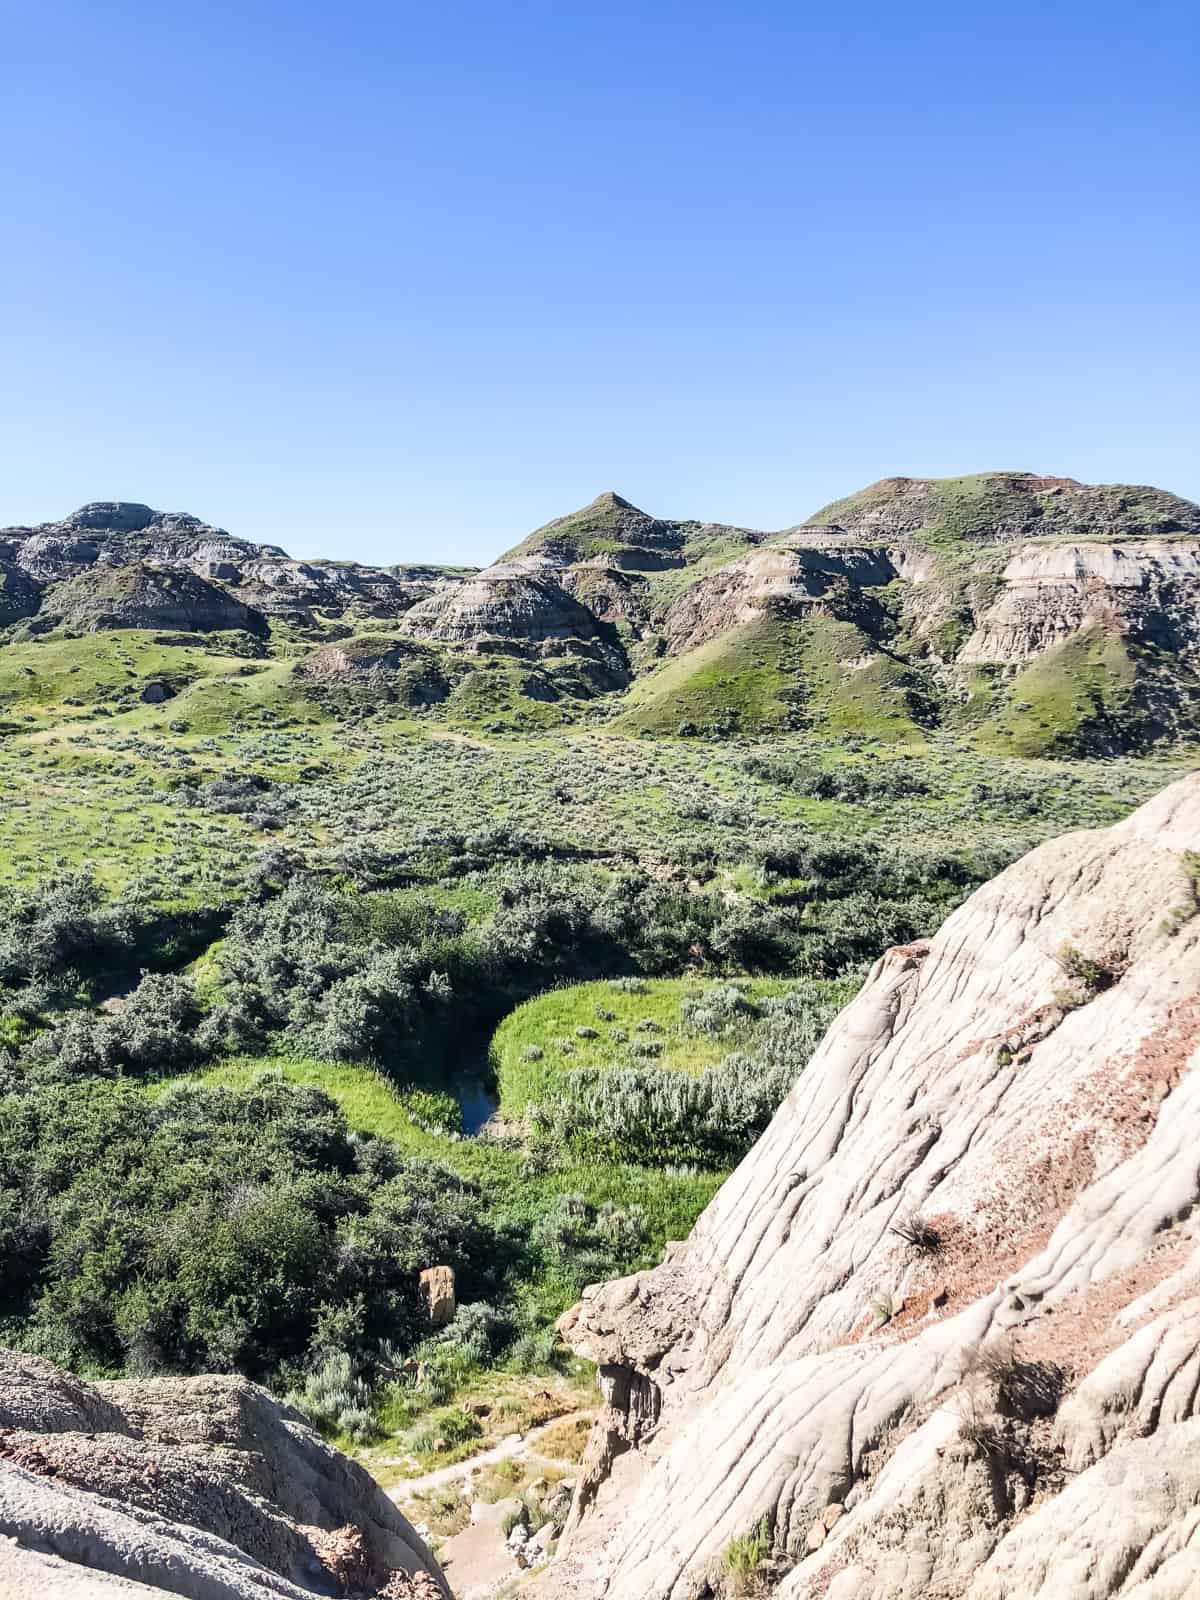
column 213, row 1230
column 648, row 1114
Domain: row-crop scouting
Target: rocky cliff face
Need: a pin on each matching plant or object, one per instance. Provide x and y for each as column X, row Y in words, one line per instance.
column 1148, row 592
column 517, row 607
column 940, row 1328
column 204, row 1488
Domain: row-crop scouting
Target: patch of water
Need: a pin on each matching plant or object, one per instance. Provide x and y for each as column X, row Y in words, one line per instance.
column 477, row 1101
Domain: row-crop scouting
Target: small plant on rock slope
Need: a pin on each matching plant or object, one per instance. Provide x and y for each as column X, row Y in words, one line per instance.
column 918, row 1234
column 1090, row 975
column 744, row 1557
column 979, row 1429
column 1024, row 1389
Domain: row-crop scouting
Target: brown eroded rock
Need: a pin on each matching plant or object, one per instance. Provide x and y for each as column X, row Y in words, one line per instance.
column 437, row 1295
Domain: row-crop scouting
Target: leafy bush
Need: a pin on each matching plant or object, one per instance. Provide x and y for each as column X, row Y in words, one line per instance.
column 218, row 1230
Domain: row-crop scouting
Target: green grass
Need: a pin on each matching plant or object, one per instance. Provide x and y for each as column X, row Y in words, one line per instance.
column 820, row 673
column 550, row 1024
column 850, row 687
column 979, row 505
column 1066, row 695
column 38, row 677
column 216, row 703
column 372, row 1102
column 736, row 680
column 496, row 692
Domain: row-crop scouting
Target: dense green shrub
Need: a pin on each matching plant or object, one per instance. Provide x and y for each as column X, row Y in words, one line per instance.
column 154, row 1031
column 218, row 1230
column 60, row 930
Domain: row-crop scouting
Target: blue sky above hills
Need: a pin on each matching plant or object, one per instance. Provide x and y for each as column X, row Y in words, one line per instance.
column 395, row 282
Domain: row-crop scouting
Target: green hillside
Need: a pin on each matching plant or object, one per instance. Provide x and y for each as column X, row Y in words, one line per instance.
column 988, row 506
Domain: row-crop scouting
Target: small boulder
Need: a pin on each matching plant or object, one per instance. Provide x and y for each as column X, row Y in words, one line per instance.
column 492, row 1513
column 539, row 1545
column 437, row 1295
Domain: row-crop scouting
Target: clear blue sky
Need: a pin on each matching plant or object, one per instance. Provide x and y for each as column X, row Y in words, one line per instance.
column 391, row 281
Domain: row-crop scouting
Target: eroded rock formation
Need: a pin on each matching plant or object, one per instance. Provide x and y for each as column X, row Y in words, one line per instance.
column 503, row 603
column 519, row 608
column 141, row 596
column 123, row 534
column 796, row 573
column 1149, row 592
column 1048, row 616
column 940, row 1327
column 204, row 1488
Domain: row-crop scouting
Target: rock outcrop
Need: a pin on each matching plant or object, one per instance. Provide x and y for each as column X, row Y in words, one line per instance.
column 939, row 1329
column 1147, row 592
column 795, row 574
column 283, row 587
column 117, row 532
column 20, row 595
column 204, row 1488
column 505, row 605
column 120, row 534
column 141, row 596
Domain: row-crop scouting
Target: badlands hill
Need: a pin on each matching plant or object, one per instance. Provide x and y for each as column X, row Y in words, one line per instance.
column 1031, row 615
column 939, row 1334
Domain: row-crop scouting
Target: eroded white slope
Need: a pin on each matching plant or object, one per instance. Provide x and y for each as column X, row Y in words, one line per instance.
column 1025, row 1083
